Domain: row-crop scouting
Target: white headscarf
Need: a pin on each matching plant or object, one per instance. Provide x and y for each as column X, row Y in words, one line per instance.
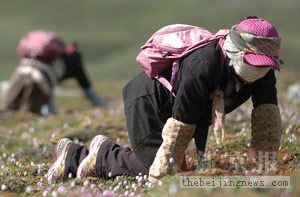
column 246, row 71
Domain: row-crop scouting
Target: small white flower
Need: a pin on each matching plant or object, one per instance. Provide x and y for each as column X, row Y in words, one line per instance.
column 45, row 193
column 160, row 183
column 70, row 175
column 145, row 177
column 140, row 179
column 65, row 125
column 39, row 171
column 247, row 172
column 226, row 179
column 148, row 184
column 82, row 189
column 31, row 129
column 73, row 184
column 93, row 186
column 133, row 186
column 116, row 188
column 3, row 187
column 54, row 193
column 62, row 189
column 17, row 163
column 108, row 193
column 285, row 157
column 86, row 183
column 5, row 170
column 171, row 160
column 173, row 189
column 28, row 189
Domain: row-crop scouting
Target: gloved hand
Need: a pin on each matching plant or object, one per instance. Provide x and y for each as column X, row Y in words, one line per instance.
column 176, row 137
column 266, row 128
column 94, row 98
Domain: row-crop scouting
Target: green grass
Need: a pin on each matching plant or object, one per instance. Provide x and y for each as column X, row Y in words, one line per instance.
column 111, row 32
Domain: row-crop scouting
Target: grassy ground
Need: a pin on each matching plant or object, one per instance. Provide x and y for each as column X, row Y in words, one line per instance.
column 27, row 143
column 110, row 32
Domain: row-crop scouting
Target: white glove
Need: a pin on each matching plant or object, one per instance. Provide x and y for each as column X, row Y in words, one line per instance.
column 176, row 137
column 266, row 128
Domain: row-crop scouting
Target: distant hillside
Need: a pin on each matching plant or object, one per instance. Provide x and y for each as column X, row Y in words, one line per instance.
column 110, row 32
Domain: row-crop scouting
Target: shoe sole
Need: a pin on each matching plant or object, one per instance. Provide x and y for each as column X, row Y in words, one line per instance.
column 63, row 146
column 93, row 151
column 59, row 147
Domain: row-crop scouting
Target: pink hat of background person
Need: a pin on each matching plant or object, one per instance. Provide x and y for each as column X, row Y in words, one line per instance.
column 41, row 45
column 263, row 28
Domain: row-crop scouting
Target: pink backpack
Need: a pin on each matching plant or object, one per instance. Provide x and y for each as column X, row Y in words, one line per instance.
column 166, row 46
column 40, row 43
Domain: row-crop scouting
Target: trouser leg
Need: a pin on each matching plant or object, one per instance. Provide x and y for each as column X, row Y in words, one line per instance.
column 200, row 138
column 147, row 107
column 114, row 160
column 75, row 155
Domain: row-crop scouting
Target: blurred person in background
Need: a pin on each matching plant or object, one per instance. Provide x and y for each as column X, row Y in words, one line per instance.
column 45, row 61
column 160, row 128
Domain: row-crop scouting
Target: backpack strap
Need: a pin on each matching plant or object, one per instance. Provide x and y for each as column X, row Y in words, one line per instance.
column 175, row 69
column 166, row 83
column 170, row 85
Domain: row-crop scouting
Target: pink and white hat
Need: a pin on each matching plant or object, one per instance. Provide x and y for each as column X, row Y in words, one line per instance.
column 260, row 41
